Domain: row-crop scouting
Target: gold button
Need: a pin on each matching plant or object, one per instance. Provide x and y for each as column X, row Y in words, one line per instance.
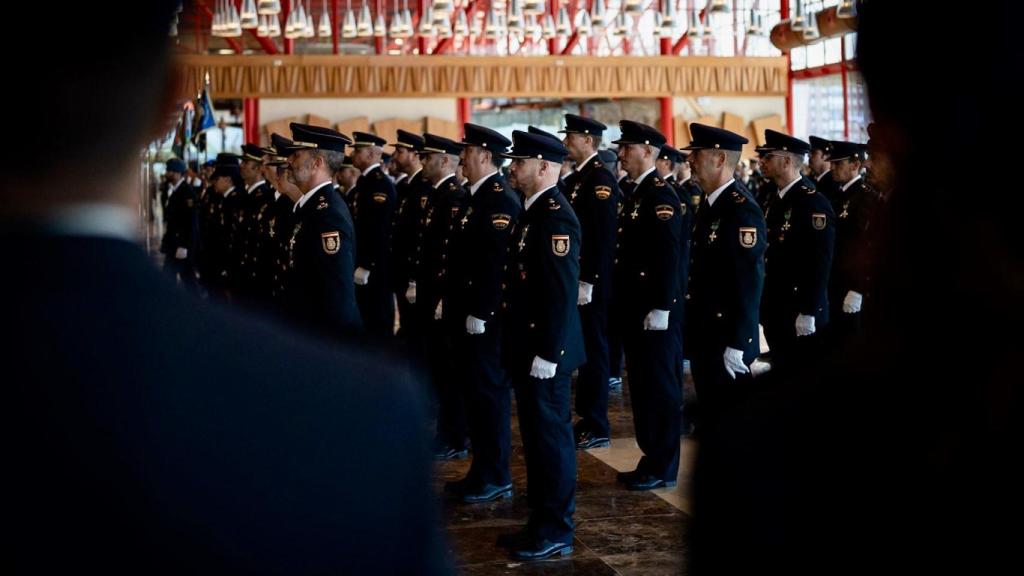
column 750, row 340
column 532, row 325
column 563, row 352
column 718, row 315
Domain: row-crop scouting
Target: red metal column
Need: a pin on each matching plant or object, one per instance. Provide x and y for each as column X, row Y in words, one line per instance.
column 336, row 24
column 464, row 113
column 846, row 92
column 667, row 112
column 251, row 119
column 421, row 42
column 289, row 44
column 665, row 44
column 378, row 41
column 784, row 14
column 553, row 43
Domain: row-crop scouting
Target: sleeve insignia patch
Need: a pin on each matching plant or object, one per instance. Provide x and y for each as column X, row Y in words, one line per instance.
column 664, row 211
column 748, row 237
column 560, row 245
column 331, row 242
column 818, row 220
column 380, row 197
column 602, row 192
column 501, row 221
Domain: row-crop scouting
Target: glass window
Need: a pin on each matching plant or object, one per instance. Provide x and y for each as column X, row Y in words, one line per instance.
column 798, row 58
column 833, row 50
column 816, row 55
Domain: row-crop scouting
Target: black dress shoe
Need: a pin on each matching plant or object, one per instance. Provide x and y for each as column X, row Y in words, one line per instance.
column 615, row 383
column 645, row 482
column 449, row 453
column 587, row 439
column 534, row 550
column 513, row 539
column 487, row 493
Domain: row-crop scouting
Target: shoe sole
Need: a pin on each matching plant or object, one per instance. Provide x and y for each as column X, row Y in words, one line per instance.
column 560, row 552
column 498, row 496
column 598, row 444
column 457, row 456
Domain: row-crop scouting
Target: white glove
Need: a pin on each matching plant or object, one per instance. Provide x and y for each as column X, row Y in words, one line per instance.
column 542, row 369
column 734, row 362
column 439, row 311
column 586, row 294
column 852, row 302
column 656, row 320
column 804, row 325
column 474, row 325
column 410, row 293
column 181, row 253
column 759, row 367
column 362, row 276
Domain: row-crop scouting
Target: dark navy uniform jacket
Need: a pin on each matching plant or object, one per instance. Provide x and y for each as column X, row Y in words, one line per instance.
column 252, row 235
column 375, row 206
column 540, row 313
column 407, row 237
column 321, row 248
column 595, row 197
column 444, row 205
column 726, row 274
column 826, row 185
column 182, row 216
column 647, row 260
column 479, row 249
column 801, row 236
column 855, row 210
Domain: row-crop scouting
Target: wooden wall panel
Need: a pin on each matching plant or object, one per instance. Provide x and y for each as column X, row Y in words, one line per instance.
column 304, row 76
column 388, row 128
column 357, row 124
column 445, row 128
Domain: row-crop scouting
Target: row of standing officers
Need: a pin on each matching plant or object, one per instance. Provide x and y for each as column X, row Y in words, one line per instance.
column 521, row 281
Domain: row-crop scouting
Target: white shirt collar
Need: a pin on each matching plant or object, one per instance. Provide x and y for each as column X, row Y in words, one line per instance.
column 822, row 175
column 587, row 161
column 413, row 175
column 255, row 185
column 529, row 201
column 782, row 193
column 309, row 194
column 473, row 188
column 850, row 183
column 644, row 175
column 401, row 177
column 685, row 181
column 173, row 188
column 367, row 171
column 443, row 180
column 714, row 195
column 104, row 220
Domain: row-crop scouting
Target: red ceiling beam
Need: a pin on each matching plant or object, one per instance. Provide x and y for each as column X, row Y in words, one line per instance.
column 681, row 43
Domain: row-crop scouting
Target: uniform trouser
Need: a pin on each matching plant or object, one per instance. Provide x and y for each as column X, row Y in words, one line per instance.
column 182, row 269
column 717, row 392
column 488, row 403
column 377, row 307
column 437, row 346
column 592, row 382
column 407, row 317
column 655, row 364
column 615, row 348
column 545, row 423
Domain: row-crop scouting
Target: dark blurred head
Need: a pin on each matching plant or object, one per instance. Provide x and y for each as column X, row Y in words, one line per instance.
column 98, row 97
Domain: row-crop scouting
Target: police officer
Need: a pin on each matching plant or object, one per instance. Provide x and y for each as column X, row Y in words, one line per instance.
column 668, row 159
column 615, row 348
column 800, row 227
column 649, row 307
column 543, row 344
column 219, row 235
column 375, row 204
column 689, row 190
column 478, row 253
column 251, row 283
column 855, row 205
column 821, row 170
column 594, row 196
column 278, row 223
column 182, row 233
column 413, row 191
column 726, row 277
column 321, row 246
column 445, row 201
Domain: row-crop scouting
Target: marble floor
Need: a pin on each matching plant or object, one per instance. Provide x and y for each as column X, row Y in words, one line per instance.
column 617, row 531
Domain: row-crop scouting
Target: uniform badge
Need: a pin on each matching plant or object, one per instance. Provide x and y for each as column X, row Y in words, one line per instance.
column 748, row 237
column 664, row 211
column 500, row 221
column 322, row 205
column 522, row 237
column 818, row 220
column 560, row 245
column 552, row 205
column 846, row 210
column 714, row 230
column 331, row 242
column 658, row 182
column 423, row 202
column 380, row 197
column 602, row 192
column 682, row 208
column 739, row 198
column 497, row 187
